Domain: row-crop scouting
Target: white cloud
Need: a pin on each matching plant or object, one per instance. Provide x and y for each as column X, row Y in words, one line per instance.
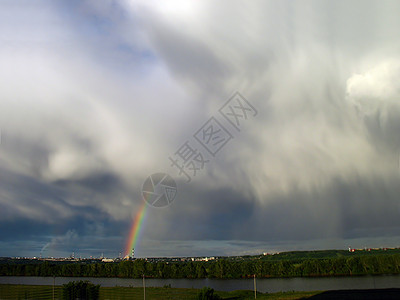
column 376, row 87
column 114, row 88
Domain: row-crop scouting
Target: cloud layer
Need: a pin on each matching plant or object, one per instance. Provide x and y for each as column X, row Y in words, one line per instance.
column 96, row 97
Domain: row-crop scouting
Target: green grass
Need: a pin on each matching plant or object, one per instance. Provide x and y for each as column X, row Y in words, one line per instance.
column 151, row 293
column 16, row 291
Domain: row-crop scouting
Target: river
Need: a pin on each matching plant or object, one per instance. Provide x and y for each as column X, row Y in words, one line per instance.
column 270, row 285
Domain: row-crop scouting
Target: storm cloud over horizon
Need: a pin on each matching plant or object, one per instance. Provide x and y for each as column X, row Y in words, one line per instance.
column 95, row 96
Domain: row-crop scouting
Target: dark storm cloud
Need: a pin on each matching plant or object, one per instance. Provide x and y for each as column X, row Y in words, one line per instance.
column 214, row 214
column 345, row 211
column 337, row 218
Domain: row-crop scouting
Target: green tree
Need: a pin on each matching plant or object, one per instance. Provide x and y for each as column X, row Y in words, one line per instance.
column 201, row 271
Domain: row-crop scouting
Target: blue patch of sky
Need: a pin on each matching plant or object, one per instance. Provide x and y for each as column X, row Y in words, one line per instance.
column 100, row 34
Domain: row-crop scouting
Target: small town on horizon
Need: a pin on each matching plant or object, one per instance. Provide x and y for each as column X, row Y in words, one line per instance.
column 131, row 257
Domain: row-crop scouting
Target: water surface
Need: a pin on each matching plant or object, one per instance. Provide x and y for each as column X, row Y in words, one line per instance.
column 270, row 285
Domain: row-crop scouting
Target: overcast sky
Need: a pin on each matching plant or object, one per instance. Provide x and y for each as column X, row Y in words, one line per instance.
column 95, row 96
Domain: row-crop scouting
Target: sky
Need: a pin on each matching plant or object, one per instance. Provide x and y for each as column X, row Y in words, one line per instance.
column 96, row 96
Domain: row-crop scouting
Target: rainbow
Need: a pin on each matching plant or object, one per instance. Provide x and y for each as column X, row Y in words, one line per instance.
column 136, row 229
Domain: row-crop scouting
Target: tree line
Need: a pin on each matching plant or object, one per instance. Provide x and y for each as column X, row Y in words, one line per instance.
column 221, row 268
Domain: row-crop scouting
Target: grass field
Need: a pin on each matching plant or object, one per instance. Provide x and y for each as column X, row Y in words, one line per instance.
column 10, row 291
